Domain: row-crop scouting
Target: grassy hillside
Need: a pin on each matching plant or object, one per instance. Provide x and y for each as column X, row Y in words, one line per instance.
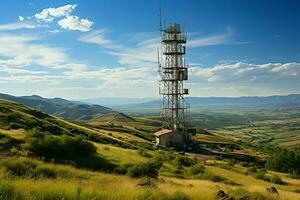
column 44, row 157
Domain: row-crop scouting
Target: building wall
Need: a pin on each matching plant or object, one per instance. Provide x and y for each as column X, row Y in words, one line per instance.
column 172, row 139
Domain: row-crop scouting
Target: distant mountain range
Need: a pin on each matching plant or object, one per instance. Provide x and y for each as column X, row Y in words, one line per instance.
column 224, row 102
column 61, row 107
column 117, row 101
column 88, row 109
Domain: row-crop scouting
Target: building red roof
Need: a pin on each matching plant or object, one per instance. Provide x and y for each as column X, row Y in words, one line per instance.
column 162, row 132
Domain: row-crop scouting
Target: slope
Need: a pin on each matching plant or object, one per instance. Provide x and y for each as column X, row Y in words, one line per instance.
column 60, row 107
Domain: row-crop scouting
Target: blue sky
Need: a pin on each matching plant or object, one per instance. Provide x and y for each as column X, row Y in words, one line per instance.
column 89, row 49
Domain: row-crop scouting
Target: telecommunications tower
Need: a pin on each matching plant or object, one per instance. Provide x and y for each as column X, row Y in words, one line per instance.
column 173, row 71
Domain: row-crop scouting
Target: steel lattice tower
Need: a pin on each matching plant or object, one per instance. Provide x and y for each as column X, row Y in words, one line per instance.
column 173, row 71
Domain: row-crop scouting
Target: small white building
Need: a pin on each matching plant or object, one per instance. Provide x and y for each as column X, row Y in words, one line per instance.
column 168, row 138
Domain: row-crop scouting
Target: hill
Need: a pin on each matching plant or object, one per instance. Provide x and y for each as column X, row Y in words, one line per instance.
column 60, row 107
column 44, row 157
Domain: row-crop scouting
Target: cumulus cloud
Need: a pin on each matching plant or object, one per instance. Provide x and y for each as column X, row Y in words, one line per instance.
column 245, row 72
column 67, row 21
column 48, row 14
column 75, row 23
column 21, row 18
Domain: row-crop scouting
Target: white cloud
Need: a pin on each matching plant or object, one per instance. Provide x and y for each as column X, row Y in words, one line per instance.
column 68, row 21
column 141, row 55
column 97, row 37
column 14, row 71
column 19, row 52
column 144, row 53
column 48, row 14
column 16, row 26
column 75, row 23
column 245, row 72
column 21, row 18
column 24, row 61
column 211, row 40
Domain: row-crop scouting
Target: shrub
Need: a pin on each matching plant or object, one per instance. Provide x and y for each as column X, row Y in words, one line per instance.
column 62, row 147
column 244, row 164
column 122, row 169
column 149, row 169
column 13, row 117
column 197, row 169
column 184, row 161
column 284, row 160
column 14, row 125
column 178, row 170
column 261, row 175
column 18, row 167
column 164, row 156
column 294, row 175
column 144, row 153
column 24, row 167
column 276, row 179
column 251, row 169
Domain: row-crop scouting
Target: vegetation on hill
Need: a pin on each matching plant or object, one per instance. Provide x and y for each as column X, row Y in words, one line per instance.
column 284, row 160
column 43, row 157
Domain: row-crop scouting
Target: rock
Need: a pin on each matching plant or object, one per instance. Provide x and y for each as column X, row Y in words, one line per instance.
column 221, row 195
column 272, row 190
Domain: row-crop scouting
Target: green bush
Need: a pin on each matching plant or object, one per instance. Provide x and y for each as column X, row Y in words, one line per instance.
column 251, row 169
column 149, row 169
column 122, row 169
column 14, row 125
column 18, row 167
column 197, row 169
column 184, row 161
column 244, row 164
column 284, row 160
column 261, row 175
column 144, row 153
column 294, row 175
column 276, row 179
column 58, row 147
column 24, row 167
column 164, row 156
